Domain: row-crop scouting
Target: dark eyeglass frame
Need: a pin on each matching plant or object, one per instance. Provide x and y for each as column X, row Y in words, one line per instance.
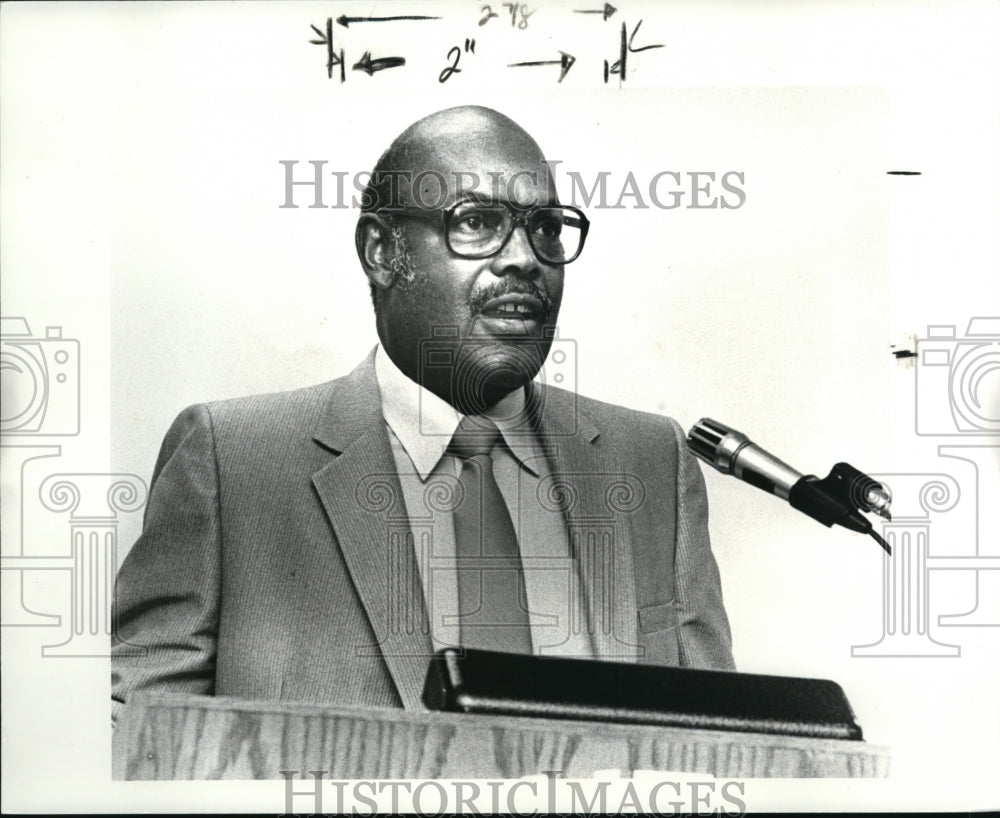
column 520, row 217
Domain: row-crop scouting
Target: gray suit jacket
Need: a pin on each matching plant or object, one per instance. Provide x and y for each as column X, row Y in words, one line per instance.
column 270, row 564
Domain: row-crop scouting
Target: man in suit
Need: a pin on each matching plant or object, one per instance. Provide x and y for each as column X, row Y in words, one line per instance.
column 310, row 545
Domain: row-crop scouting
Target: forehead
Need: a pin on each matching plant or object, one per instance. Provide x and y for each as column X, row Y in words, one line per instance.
column 445, row 168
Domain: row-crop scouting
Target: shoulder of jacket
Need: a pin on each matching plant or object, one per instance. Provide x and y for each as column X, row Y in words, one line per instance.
column 610, row 416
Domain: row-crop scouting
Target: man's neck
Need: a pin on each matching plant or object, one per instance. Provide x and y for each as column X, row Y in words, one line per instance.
column 467, row 395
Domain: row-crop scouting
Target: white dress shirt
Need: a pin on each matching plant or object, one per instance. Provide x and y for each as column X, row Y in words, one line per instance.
column 420, row 427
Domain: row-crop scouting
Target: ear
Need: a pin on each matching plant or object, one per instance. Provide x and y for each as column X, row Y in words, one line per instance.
column 372, row 240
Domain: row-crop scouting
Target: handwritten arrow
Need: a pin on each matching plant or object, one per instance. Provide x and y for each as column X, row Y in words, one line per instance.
column 370, row 66
column 607, row 11
column 565, row 62
column 346, row 21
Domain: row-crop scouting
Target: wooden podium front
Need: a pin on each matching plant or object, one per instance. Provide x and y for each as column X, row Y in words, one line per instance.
column 202, row 737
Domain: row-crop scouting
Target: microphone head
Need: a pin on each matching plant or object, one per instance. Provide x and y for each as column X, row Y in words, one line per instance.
column 716, row 444
column 878, row 498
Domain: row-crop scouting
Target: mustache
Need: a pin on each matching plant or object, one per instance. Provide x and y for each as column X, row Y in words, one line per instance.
column 507, row 287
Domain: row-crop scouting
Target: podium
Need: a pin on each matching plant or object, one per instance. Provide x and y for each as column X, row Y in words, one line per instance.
column 173, row 736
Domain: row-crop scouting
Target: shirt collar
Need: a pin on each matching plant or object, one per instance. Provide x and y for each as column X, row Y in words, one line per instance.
column 424, row 423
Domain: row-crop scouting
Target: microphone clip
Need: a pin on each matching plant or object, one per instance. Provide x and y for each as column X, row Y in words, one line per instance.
column 841, row 497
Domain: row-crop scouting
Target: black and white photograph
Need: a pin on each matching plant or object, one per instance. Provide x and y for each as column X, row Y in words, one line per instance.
column 448, row 407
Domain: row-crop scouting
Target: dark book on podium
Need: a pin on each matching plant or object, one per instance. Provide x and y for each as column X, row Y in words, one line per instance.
column 487, row 682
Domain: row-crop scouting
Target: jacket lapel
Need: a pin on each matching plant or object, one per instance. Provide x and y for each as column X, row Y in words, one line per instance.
column 596, row 495
column 363, row 499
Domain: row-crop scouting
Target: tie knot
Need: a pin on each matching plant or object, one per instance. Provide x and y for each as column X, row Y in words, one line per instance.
column 474, row 436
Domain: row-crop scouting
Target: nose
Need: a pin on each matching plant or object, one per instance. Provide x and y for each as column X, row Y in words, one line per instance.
column 517, row 256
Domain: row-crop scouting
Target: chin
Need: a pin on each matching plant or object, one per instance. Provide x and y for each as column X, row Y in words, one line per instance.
column 495, row 368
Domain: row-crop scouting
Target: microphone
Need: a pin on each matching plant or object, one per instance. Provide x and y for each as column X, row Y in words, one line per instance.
column 837, row 499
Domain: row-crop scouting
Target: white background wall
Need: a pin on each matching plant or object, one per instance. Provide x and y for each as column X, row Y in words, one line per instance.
column 141, row 184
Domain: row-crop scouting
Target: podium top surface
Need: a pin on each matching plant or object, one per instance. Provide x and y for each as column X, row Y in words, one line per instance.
column 176, row 736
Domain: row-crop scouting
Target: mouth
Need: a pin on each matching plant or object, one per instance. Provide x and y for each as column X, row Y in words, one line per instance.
column 517, row 306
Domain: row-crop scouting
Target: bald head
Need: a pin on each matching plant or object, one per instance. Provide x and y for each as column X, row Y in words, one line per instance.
column 464, row 150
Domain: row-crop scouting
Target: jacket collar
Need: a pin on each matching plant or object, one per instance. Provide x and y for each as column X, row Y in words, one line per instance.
column 352, row 409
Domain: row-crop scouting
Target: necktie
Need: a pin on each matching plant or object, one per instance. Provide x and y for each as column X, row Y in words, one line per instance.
column 492, row 603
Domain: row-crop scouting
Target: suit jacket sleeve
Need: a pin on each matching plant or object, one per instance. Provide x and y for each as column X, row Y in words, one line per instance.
column 166, row 603
column 705, row 638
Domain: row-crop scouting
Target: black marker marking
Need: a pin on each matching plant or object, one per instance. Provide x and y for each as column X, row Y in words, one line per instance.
column 903, row 353
column 332, row 57
column 607, row 11
column 902, row 173
column 455, row 54
column 370, row 66
column 626, row 48
column 636, row 49
column 345, row 21
column 565, row 63
column 619, row 66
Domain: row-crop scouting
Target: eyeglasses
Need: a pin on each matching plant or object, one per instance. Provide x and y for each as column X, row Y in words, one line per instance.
column 474, row 230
